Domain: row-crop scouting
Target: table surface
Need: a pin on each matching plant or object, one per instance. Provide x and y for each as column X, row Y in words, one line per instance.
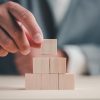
column 13, row 87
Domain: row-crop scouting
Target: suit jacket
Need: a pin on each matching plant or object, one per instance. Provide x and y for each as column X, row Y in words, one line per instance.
column 80, row 27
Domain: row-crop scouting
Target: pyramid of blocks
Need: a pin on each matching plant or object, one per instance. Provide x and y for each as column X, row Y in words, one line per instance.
column 49, row 70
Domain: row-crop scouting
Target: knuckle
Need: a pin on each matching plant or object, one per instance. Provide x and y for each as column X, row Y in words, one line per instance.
column 26, row 14
column 10, row 4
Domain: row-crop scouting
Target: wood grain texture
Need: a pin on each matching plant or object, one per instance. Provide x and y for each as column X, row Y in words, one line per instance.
column 49, row 81
column 66, row 81
column 33, row 81
column 57, row 65
column 41, row 65
column 49, row 46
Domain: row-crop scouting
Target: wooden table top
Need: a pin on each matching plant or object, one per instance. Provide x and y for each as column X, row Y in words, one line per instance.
column 13, row 87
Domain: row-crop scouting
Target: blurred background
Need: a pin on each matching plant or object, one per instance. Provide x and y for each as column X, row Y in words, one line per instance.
column 76, row 25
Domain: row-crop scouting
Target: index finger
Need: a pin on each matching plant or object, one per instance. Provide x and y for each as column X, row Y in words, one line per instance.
column 28, row 20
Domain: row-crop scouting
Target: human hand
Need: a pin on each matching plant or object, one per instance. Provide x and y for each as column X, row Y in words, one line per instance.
column 18, row 29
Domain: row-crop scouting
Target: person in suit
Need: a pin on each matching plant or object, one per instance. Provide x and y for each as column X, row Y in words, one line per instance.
column 75, row 23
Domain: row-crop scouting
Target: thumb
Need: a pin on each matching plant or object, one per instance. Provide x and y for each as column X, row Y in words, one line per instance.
column 31, row 42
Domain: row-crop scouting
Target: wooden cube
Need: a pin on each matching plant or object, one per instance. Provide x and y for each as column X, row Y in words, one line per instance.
column 41, row 65
column 57, row 65
column 49, row 81
column 66, row 81
column 33, row 81
column 47, row 55
column 49, row 46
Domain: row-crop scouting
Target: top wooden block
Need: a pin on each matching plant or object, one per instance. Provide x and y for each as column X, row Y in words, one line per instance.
column 49, row 46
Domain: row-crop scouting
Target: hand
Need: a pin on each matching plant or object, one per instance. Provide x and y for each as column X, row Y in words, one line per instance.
column 18, row 29
column 25, row 64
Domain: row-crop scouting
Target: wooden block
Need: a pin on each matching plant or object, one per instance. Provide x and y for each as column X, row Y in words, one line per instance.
column 33, row 81
column 66, row 81
column 49, row 46
column 47, row 55
column 57, row 65
column 49, row 81
column 41, row 65
column 28, row 81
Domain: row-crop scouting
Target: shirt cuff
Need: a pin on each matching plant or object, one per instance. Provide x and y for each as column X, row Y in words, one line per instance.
column 77, row 61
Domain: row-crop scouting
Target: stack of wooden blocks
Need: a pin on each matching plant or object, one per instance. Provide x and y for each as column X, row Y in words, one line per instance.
column 49, row 70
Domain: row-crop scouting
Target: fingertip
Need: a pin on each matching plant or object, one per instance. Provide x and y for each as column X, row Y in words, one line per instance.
column 33, row 43
column 4, row 54
column 38, row 38
column 25, row 52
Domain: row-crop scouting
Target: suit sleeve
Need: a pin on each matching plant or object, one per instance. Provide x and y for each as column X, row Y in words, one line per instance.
column 84, row 58
column 80, row 36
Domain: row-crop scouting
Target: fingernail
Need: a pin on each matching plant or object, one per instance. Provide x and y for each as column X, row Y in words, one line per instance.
column 26, row 52
column 38, row 38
